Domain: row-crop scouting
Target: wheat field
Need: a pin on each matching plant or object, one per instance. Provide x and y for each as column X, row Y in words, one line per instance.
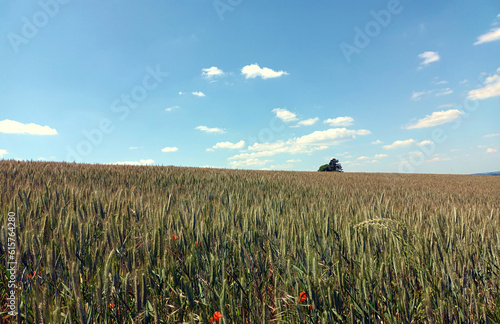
column 130, row 244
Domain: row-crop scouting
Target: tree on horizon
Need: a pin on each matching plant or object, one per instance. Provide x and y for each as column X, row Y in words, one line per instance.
column 333, row 166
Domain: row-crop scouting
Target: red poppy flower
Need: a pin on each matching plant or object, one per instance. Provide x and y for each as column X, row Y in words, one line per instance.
column 175, row 237
column 303, row 296
column 217, row 316
column 197, row 243
column 310, row 306
column 111, row 306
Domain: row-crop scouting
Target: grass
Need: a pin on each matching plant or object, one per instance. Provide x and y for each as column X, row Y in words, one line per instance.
column 97, row 244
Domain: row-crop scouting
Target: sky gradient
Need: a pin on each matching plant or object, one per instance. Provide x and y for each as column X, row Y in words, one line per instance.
column 383, row 86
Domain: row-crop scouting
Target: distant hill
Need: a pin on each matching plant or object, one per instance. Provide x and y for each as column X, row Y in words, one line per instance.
column 494, row 173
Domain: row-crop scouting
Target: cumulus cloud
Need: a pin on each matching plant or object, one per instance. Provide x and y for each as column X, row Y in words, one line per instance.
column 316, row 141
column 198, row 93
column 378, row 156
column 140, row 162
column 251, row 162
column 492, row 135
column 399, row 144
column 212, row 72
column 279, row 167
column 254, row 70
column 308, row 122
column 14, row 127
column 491, row 88
column 332, row 136
column 254, row 155
column 285, row 115
column 491, row 150
column 363, row 158
column 229, row 145
column 437, row 118
column 3, row 152
column 490, row 36
column 428, row 57
column 293, row 161
column 339, row 121
column 169, row 149
column 213, row 130
column 377, row 142
column 427, row 142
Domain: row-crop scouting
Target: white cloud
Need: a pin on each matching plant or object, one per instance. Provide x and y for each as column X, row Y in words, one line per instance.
column 318, row 140
column 285, row 115
column 140, row 162
column 331, row 136
column 251, row 162
column 427, row 142
column 444, row 92
column 398, row 144
column 212, row 72
column 279, row 167
column 437, row 118
column 417, row 94
column 491, row 88
column 377, row 142
column 437, row 159
column 372, row 161
column 441, row 82
column 169, row 149
column 171, row 108
column 229, row 145
column 214, row 130
column 254, row 155
column 293, row 161
column 3, row 152
column 308, row 122
column 181, row 93
column 378, row 156
column 492, row 135
column 446, row 106
column 339, row 121
column 198, row 93
column 13, row 127
column 133, row 148
column 429, row 57
column 491, row 150
column 492, row 35
column 363, row 158
column 254, row 70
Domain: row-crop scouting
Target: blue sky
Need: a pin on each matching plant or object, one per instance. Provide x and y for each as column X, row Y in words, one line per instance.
column 383, row 86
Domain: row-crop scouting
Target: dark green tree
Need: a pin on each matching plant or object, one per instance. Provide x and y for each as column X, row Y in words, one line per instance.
column 333, row 166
